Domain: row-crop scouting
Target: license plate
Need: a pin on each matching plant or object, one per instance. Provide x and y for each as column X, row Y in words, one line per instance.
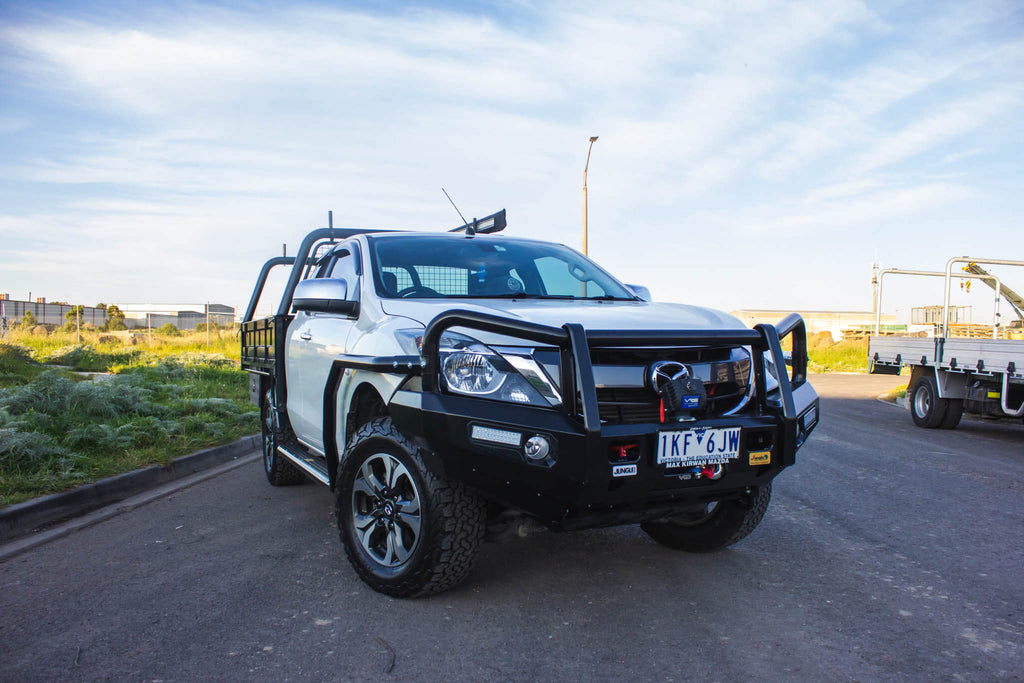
column 698, row 446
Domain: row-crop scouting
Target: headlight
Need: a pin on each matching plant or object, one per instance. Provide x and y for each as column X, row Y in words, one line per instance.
column 471, row 368
column 471, row 373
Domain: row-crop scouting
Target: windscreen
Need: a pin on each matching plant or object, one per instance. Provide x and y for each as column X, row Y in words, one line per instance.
column 431, row 267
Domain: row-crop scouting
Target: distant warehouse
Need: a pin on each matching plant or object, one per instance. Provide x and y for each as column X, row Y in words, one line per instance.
column 182, row 316
column 840, row 324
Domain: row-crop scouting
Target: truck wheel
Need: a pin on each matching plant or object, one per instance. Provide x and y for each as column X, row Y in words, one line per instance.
column 279, row 471
column 954, row 411
column 927, row 409
column 713, row 526
column 406, row 532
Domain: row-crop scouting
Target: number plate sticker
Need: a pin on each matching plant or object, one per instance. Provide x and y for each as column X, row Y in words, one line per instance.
column 698, row 446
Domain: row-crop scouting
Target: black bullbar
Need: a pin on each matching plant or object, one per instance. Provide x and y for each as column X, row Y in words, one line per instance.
column 461, row 440
column 576, row 482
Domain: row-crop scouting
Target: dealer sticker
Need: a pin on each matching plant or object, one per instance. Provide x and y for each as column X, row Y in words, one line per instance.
column 760, row 458
column 623, row 470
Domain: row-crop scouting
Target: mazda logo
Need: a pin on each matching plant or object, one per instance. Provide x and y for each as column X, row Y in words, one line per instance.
column 663, row 372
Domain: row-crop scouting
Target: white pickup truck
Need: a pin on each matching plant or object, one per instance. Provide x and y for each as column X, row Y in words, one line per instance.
column 452, row 385
column 949, row 375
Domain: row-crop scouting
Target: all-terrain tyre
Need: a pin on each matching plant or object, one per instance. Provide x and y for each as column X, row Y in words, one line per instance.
column 927, row 409
column 279, row 471
column 406, row 532
column 712, row 526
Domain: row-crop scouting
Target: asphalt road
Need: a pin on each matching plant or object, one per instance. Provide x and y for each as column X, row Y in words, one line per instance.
column 888, row 552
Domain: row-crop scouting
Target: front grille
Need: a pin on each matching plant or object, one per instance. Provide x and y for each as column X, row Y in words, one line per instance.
column 724, row 371
column 646, row 356
column 628, row 406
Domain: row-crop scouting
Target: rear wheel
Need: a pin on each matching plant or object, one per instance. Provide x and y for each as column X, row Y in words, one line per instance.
column 712, row 526
column 279, row 471
column 406, row 532
column 954, row 411
column 927, row 409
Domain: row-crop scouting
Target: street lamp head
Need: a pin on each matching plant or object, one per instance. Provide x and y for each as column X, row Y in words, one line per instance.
column 593, row 139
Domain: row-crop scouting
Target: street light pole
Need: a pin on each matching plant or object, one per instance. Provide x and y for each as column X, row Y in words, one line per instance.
column 585, row 167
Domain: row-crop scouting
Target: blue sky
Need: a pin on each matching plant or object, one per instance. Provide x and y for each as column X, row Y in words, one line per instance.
column 751, row 155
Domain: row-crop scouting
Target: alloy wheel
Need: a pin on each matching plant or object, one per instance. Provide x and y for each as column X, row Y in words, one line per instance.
column 386, row 510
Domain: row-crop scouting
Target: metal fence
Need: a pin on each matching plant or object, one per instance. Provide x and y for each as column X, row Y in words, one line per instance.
column 49, row 314
column 184, row 316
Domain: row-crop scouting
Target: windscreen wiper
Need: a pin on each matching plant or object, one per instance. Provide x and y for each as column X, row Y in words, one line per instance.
column 513, row 295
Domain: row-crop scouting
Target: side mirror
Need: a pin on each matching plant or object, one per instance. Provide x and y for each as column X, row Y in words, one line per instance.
column 640, row 291
column 324, row 296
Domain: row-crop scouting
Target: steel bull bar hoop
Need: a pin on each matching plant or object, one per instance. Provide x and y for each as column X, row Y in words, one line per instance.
column 575, row 344
column 773, row 335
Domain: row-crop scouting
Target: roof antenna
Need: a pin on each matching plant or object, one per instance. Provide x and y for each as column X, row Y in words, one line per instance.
column 464, row 221
column 330, row 220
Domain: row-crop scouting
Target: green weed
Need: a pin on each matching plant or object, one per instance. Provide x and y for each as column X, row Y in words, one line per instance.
column 845, row 356
column 56, row 432
column 86, row 358
column 16, row 365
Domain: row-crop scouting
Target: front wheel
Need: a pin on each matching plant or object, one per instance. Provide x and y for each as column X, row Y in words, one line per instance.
column 714, row 525
column 406, row 532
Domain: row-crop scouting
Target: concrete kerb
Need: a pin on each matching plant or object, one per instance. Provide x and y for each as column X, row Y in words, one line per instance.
column 24, row 518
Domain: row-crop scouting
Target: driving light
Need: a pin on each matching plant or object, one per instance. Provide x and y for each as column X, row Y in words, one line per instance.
column 492, row 435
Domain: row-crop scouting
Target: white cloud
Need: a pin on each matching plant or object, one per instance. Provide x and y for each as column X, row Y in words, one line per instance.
column 843, row 212
column 932, row 130
column 211, row 137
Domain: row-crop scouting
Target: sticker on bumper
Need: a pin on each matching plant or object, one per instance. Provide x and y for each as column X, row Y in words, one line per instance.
column 623, row 470
column 760, row 458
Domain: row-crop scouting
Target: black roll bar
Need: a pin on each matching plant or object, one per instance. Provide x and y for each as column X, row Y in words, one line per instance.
column 257, row 292
column 301, row 258
column 493, row 223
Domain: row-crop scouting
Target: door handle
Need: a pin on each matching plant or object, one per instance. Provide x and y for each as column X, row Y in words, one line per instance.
column 305, row 336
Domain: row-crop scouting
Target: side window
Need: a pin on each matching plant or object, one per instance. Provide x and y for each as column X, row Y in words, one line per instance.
column 345, row 268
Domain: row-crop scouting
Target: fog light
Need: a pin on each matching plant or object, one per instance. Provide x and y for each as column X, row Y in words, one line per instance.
column 537, row 448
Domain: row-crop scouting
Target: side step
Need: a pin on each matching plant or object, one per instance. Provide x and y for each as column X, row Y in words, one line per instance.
column 310, row 464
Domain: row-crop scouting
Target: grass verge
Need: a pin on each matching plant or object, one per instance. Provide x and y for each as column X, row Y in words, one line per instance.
column 895, row 393
column 59, row 430
column 845, row 356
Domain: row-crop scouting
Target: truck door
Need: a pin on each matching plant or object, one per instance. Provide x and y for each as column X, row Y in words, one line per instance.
column 314, row 341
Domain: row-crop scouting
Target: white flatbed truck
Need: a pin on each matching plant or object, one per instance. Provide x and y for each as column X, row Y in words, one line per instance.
column 949, row 375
